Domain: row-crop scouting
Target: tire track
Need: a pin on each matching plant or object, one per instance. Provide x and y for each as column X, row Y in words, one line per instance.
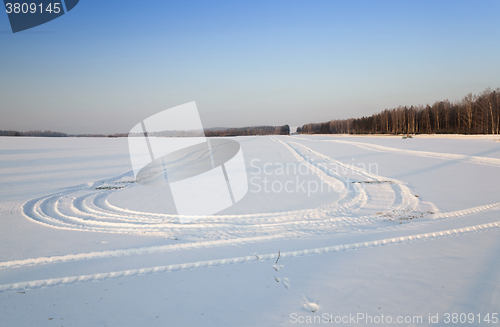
column 34, row 284
column 88, row 209
column 426, row 154
column 203, row 244
column 10, row 208
column 401, row 192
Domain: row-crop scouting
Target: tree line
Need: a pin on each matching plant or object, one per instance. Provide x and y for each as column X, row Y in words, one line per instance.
column 254, row 130
column 33, row 133
column 474, row 114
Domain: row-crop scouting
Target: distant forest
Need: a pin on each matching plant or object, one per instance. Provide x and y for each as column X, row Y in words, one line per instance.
column 255, row 130
column 33, row 133
column 55, row 134
column 474, row 114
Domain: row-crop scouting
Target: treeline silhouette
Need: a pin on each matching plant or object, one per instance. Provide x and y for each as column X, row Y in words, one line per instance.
column 474, row 114
column 34, row 133
column 254, row 130
column 56, row 134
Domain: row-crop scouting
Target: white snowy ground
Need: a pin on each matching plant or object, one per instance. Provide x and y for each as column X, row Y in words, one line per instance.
column 368, row 230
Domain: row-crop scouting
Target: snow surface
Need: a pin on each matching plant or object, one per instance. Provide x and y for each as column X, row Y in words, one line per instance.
column 331, row 228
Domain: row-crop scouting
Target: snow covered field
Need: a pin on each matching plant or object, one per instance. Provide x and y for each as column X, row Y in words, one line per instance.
column 333, row 231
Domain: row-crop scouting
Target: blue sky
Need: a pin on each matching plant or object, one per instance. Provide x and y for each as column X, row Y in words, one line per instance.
column 106, row 65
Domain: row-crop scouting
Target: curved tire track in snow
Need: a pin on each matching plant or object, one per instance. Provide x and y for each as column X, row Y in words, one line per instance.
column 403, row 196
column 88, row 209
